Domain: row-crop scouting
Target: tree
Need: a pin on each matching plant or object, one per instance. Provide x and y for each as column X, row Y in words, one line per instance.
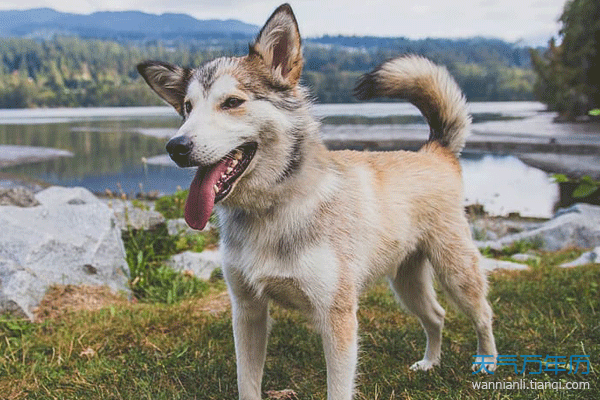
column 569, row 73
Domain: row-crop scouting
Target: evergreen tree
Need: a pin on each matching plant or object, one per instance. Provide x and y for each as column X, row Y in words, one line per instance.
column 569, row 73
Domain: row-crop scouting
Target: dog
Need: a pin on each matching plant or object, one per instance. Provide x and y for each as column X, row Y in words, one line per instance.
column 309, row 228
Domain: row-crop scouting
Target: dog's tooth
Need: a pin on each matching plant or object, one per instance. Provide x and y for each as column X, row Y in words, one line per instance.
column 215, row 189
column 238, row 155
column 234, row 163
column 229, row 170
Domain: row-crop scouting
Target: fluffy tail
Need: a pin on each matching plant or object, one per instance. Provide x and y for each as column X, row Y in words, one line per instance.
column 430, row 88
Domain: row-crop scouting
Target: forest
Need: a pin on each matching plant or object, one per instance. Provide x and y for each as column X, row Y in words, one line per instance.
column 75, row 72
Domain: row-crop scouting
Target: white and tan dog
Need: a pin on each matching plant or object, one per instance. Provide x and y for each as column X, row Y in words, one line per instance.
column 310, row 228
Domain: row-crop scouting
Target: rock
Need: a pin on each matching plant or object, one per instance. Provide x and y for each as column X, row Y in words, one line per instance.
column 589, row 257
column 179, row 226
column 573, row 165
column 18, row 196
column 129, row 216
column 200, row 264
column 490, row 264
column 70, row 238
column 575, row 226
column 522, row 257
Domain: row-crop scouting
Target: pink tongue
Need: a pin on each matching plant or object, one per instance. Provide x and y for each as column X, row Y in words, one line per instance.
column 201, row 199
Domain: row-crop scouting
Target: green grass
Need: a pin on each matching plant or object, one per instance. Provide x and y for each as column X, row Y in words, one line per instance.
column 172, row 206
column 151, row 279
column 160, row 351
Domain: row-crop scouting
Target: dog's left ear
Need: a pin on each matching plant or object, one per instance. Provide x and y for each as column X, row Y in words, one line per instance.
column 279, row 46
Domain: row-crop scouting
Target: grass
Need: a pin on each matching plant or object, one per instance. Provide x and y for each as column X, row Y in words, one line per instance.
column 147, row 251
column 181, row 351
column 150, row 278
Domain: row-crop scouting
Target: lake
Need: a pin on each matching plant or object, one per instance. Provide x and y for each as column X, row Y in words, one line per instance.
column 110, row 145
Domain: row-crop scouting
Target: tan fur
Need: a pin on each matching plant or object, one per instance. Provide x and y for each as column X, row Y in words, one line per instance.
column 310, row 228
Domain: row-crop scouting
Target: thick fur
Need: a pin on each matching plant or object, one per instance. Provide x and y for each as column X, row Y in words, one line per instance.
column 310, row 228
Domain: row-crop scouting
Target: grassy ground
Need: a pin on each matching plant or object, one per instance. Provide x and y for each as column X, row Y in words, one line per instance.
column 141, row 350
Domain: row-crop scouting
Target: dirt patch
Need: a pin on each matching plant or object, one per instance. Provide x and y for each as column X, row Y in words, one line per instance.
column 64, row 299
column 286, row 394
column 61, row 300
column 214, row 303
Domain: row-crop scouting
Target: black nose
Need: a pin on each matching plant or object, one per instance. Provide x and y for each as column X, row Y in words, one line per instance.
column 179, row 149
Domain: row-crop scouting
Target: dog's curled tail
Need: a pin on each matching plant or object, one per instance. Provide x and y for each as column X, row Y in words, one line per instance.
column 430, row 88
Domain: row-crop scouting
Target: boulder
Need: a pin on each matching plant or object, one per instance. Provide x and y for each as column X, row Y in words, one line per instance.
column 200, row 264
column 575, row 226
column 129, row 216
column 179, row 226
column 70, row 238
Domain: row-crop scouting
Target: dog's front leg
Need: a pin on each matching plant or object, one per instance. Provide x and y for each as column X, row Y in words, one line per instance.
column 339, row 330
column 250, row 331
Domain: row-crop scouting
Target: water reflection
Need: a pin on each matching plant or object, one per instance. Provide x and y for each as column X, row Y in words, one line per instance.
column 504, row 184
column 108, row 154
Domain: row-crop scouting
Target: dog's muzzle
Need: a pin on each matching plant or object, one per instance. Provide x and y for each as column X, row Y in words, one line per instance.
column 180, row 149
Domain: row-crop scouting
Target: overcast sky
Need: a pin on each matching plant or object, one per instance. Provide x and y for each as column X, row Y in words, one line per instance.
column 507, row 19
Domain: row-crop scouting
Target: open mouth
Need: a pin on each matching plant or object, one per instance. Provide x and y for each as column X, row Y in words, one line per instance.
column 213, row 183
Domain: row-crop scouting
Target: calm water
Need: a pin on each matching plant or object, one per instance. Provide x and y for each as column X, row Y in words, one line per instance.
column 109, row 144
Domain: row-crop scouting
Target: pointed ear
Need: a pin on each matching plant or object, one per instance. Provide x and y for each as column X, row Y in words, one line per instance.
column 168, row 81
column 279, row 46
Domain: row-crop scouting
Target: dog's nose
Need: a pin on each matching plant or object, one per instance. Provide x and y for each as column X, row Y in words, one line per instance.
column 179, row 146
column 179, row 149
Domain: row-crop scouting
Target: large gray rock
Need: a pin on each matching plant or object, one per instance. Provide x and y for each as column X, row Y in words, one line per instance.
column 71, row 238
column 128, row 216
column 180, row 227
column 575, row 226
column 200, row 264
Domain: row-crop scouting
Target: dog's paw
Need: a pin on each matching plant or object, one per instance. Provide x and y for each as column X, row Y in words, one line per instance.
column 488, row 367
column 424, row 365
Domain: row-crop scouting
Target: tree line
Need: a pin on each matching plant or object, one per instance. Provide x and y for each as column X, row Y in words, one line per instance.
column 75, row 72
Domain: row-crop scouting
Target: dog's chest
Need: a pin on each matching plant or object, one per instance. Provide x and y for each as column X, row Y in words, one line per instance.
column 287, row 292
column 297, row 269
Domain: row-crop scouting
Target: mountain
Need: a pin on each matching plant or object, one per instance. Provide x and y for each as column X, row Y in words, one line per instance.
column 44, row 22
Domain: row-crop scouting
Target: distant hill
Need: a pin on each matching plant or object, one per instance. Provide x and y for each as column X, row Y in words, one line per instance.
column 132, row 25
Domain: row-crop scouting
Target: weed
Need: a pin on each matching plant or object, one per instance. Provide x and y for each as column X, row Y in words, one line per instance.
column 522, row 246
column 150, row 279
column 140, row 204
column 172, row 206
column 586, row 186
column 517, row 247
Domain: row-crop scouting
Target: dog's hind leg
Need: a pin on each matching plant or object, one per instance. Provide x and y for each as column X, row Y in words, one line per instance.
column 413, row 285
column 455, row 260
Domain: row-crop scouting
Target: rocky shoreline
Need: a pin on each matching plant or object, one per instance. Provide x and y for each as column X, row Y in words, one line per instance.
column 69, row 236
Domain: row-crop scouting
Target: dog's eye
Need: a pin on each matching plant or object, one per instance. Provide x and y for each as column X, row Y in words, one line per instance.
column 188, row 107
column 232, row 102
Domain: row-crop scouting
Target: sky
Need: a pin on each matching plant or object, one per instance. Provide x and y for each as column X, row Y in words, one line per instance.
column 511, row 20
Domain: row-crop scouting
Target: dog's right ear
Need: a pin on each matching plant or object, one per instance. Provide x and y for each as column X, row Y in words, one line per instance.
column 168, row 81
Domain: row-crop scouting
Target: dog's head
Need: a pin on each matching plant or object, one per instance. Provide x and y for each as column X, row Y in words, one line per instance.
column 241, row 115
